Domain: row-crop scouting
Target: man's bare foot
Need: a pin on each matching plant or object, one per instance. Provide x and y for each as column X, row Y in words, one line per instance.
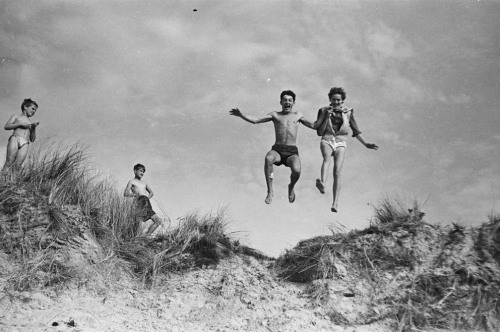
column 320, row 186
column 334, row 208
column 269, row 198
column 291, row 194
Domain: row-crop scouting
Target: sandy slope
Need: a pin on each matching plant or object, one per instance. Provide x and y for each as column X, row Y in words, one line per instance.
column 240, row 294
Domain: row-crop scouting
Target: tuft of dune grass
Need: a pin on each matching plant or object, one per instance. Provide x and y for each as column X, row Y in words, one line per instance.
column 62, row 173
column 59, row 177
column 421, row 275
column 197, row 240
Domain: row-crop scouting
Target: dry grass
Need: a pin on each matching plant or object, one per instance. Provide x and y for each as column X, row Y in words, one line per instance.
column 47, row 269
column 63, row 175
column 196, row 241
column 56, row 177
column 422, row 275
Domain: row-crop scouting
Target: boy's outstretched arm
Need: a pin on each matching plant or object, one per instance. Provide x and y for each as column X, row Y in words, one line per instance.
column 128, row 190
column 372, row 146
column 251, row 119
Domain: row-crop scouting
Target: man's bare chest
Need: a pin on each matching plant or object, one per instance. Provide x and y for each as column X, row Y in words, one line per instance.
column 287, row 121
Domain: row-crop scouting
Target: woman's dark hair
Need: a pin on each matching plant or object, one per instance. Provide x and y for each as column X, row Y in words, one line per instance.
column 336, row 91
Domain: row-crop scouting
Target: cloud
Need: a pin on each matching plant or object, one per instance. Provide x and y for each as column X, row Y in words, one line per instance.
column 460, row 99
column 10, row 76
column 401, row 89
column 453, row 98
column 387, row 44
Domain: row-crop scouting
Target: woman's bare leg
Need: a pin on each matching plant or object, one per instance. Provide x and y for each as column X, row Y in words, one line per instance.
column 326, row 153
column 338, row 157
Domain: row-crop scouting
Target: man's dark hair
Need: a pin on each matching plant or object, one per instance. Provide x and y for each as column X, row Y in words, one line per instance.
column 287, row 92
column 136, row 167
column 337, row 91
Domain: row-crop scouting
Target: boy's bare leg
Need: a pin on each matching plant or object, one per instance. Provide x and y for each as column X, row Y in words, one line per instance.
column 21, row 156
column 338, row 157
column 294, row 163
column 271, row 158
column 11, row 153
column 326, row 153
column 156, row 222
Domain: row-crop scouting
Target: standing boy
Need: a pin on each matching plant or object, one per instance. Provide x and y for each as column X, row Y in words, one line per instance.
column 334, row 122
column 284, row 151
column 142, row 193
column 24, row 133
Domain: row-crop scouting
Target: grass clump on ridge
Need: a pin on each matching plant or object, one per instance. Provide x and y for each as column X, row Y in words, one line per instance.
column 64, row 174
column 359, row 249
column 57, row 198
column 421, row 275
column 196, row 241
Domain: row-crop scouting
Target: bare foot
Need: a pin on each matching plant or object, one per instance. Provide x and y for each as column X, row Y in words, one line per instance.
column 269, row 198
column 334, row 208
column 320, row 186
column 291, row 194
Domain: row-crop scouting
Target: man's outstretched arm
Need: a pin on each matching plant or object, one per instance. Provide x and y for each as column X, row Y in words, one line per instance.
column 308, row 123
column 316, row 124
column 251, row 119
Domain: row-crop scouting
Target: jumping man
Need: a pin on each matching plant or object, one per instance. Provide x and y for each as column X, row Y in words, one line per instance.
column 284, row 151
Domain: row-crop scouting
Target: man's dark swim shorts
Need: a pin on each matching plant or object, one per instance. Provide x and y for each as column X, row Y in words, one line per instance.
column 144, row 210
column 285, row 152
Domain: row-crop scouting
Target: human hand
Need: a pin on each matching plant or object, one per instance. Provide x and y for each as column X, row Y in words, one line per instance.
column 235, row 112
column 33, row 125
column 372, row 146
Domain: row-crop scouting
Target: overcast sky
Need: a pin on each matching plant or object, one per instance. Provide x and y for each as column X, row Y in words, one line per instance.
column 153, row 82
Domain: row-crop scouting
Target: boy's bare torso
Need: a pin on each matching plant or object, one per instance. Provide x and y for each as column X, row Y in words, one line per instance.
column 286, row 127
column 139, row 188
column 24, row 130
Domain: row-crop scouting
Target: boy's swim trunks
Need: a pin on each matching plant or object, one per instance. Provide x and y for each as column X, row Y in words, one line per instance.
column 144, row 210
column 334, row 143
column 21, row 141
column 285, row 152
